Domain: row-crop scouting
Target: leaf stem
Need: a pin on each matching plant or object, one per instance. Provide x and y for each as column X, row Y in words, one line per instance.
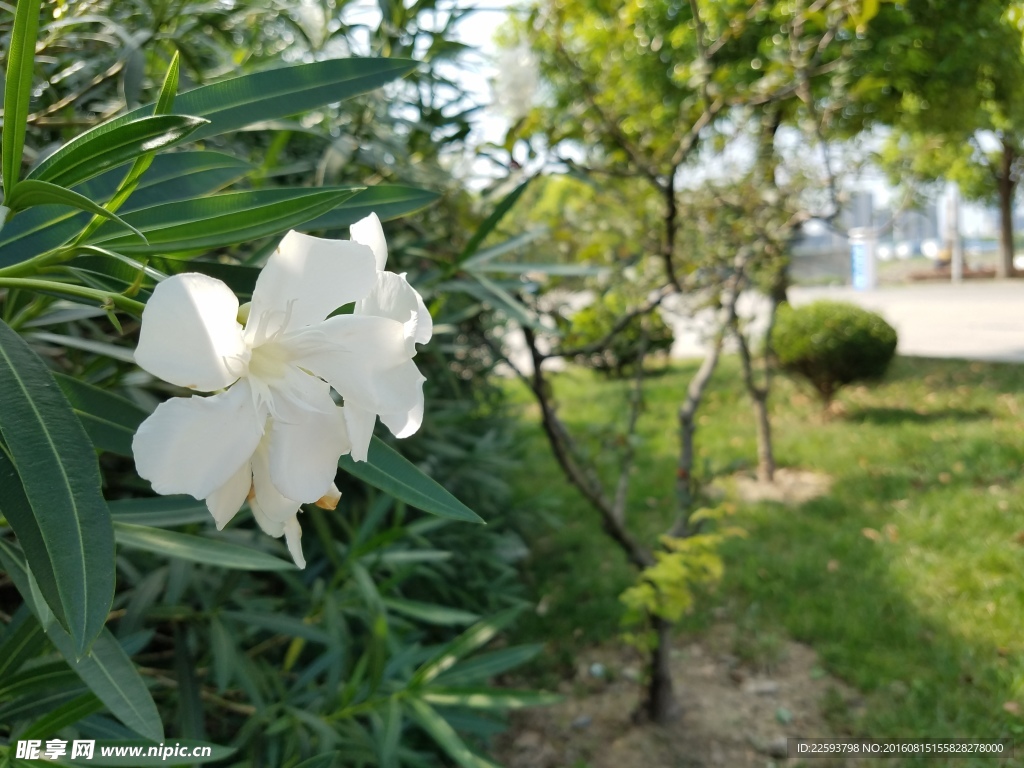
column 34, row 265
column 105, row 298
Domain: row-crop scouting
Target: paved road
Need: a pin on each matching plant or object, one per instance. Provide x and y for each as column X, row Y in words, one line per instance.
column 974, row 320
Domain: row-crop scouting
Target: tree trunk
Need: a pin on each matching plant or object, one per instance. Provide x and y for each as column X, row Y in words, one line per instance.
column 660, row 706
column 765, row 455
column 1007, row 186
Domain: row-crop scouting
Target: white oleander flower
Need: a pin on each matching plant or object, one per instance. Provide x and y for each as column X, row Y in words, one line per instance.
column 274, row 434
column 391, row 297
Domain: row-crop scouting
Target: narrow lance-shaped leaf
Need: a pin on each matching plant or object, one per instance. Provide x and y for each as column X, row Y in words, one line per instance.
column 18, row 87
column 164, row 103
column 483, row 666
column 106, row 670
column 20, row 645
column 476, row 636
column 389, row 471
column 181, row 176
column 445, row 736
column 386, row 200
column 260, row 96
column 189, row 226
column 492, row 221
column 109, row 145
column 32, row 192
column 15, row 507
column 73, row 536
column 488, row 698
column 109, row 420
column 197, row 549
column 430, row 612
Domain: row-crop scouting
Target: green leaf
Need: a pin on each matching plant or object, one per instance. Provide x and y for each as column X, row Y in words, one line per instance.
column 168, row 89
column 325, row 760
column 38, row 230
column 67, row 714
column 110, row 675
column 476, row 263
column 19, row 646
column 106, row 670
column 160, row 512
column 261, row 96
column 279, row 624
column 488, row 698
column 445, row 736
column 66, row 530
column 520, row 268
column 390, row 734
column 164, row 102
column 109, row 420
column 112, row 144
column 179, row 176
column 32, row 192
column 429, row 612
column 389, row 471
column 198, row 549
column 474, row 637
column 172, row 177
column 484, row 666
column 386, row 200
column 499, row 298
column 39, row 678
column 221, row 220
column 493, row 220
column 18, row 87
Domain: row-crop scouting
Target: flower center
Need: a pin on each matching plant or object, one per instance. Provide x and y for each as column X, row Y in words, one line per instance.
column 269, row 361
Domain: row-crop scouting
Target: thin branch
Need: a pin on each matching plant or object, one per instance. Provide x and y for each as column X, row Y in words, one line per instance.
column 588, row 349
column 635, row 406
column 584, row 479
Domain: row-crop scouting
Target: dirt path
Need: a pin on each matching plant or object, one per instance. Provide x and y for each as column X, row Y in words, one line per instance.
column 732, row 714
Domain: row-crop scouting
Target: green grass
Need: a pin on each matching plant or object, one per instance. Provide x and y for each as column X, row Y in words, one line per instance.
column 928, row 621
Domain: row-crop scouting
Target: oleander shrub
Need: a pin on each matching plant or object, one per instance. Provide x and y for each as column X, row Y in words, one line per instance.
column 649, row 334
column 832, row 344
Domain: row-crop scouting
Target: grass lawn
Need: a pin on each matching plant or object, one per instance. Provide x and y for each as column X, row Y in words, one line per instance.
column 907, row 578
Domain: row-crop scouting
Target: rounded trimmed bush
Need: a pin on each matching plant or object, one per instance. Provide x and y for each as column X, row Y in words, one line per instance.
column 832, row 343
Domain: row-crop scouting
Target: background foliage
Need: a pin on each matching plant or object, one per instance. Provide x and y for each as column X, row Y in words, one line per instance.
column 371, row 655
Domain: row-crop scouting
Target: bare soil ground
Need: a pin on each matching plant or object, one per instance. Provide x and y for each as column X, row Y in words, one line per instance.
column 731, row 714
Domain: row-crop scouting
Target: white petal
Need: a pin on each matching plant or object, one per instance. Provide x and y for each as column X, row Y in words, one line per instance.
column 368, row 231
column 275, row 514
column 190, row 335
column 195, row 445
column 273, row 506
column 367, row 360
column 224, row 502
column 305, row 446
column 306, row 279
column 405, row 423
column 360, row 430
column 268, row 525
column 393, row 297
column 293, row 538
